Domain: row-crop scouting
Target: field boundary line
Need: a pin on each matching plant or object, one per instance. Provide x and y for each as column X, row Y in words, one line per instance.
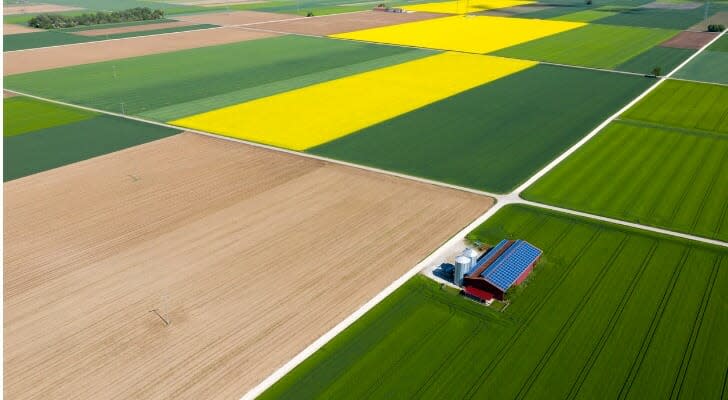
column 697, row 81
column 498, row 197
column 346, row 322
column 634, row 225
column 558, row 160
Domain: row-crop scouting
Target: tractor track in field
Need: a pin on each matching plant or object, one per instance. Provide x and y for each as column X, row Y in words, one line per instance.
column 532, row 312
column 695, row 331
column 408, row 353
column 685, row 192
column 431, row 378
column 611, row 324
column 654, row 323
column 567, row 325
column 708, row 192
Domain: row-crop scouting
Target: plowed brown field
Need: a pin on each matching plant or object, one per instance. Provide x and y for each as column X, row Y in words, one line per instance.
column 250, row 253
column 85, row 53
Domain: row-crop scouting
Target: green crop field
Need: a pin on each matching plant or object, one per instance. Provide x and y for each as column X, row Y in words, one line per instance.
column 708, row 66
column 64, row 136
column 661, row 18
column 682, row 104
column 34, row 40
column 31, row 40
column 648, row 174
column 494, row 136
column 173, row 85
column 585, row 15
column 599, row 46
column 23, row 114
column 666, row 58
column 662, row 163
column 609, row 312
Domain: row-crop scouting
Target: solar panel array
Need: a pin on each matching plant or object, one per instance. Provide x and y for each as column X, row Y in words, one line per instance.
column 491, row 253
column 509, row 266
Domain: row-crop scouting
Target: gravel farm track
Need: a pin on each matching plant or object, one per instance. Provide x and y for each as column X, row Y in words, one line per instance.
column 232, row 243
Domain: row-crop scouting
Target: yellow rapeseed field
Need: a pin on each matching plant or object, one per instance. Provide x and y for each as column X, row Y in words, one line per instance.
column 316, row 114
column 474, row 34
column 465, row 6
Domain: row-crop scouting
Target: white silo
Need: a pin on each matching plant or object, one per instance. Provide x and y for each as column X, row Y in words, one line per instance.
column 472, row 255
column 462, row 266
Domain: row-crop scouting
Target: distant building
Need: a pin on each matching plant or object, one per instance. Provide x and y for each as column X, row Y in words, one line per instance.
column 505, row 265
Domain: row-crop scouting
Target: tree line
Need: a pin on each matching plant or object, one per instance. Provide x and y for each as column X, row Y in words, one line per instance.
column 55, row 21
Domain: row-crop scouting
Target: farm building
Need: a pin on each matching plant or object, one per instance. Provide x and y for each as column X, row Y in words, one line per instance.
column 504, row 265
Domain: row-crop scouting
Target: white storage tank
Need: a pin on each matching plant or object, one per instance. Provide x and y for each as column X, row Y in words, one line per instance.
column 472, row 255
column 462, row 266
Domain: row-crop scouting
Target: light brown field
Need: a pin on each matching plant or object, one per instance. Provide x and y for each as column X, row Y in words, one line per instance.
column 253, row 253
column 212, row 3
column 133, row 28
column 689, row 40
column 36, row 9
column 85, row 53
column 13, row 29
column 7, row 94
column 235, row 18
column 341, row 23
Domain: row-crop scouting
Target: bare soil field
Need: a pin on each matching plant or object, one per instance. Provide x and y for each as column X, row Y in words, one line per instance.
column 212, row 3
column 720, row 17
column 36, row 9
column 133, row 28
column 13, row 29
column 689, row 40
column 7, row 94
column 85, row 53
column 341, row 23
column 251, row 254
column 235, row 18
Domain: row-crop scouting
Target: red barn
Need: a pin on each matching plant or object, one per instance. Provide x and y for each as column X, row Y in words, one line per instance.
column 504, row 265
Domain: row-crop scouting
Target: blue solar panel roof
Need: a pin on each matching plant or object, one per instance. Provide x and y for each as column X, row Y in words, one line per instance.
column 511, row 264
column 491, row 253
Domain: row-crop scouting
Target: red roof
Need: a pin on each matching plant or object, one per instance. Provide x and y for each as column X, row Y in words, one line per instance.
column 479, row 293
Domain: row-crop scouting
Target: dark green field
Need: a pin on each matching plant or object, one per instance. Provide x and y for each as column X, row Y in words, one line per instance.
column 172, row 85
column 666, row 58
column 710, row 65
column 599, row 46
column 661, row 18
column 663, row 163
column 608, row 313
column 494, row 136
column 64, row 136
column 31, row 40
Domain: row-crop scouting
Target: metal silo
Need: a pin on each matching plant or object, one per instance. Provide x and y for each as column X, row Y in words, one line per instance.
column 472, row 255
column 462, row 266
